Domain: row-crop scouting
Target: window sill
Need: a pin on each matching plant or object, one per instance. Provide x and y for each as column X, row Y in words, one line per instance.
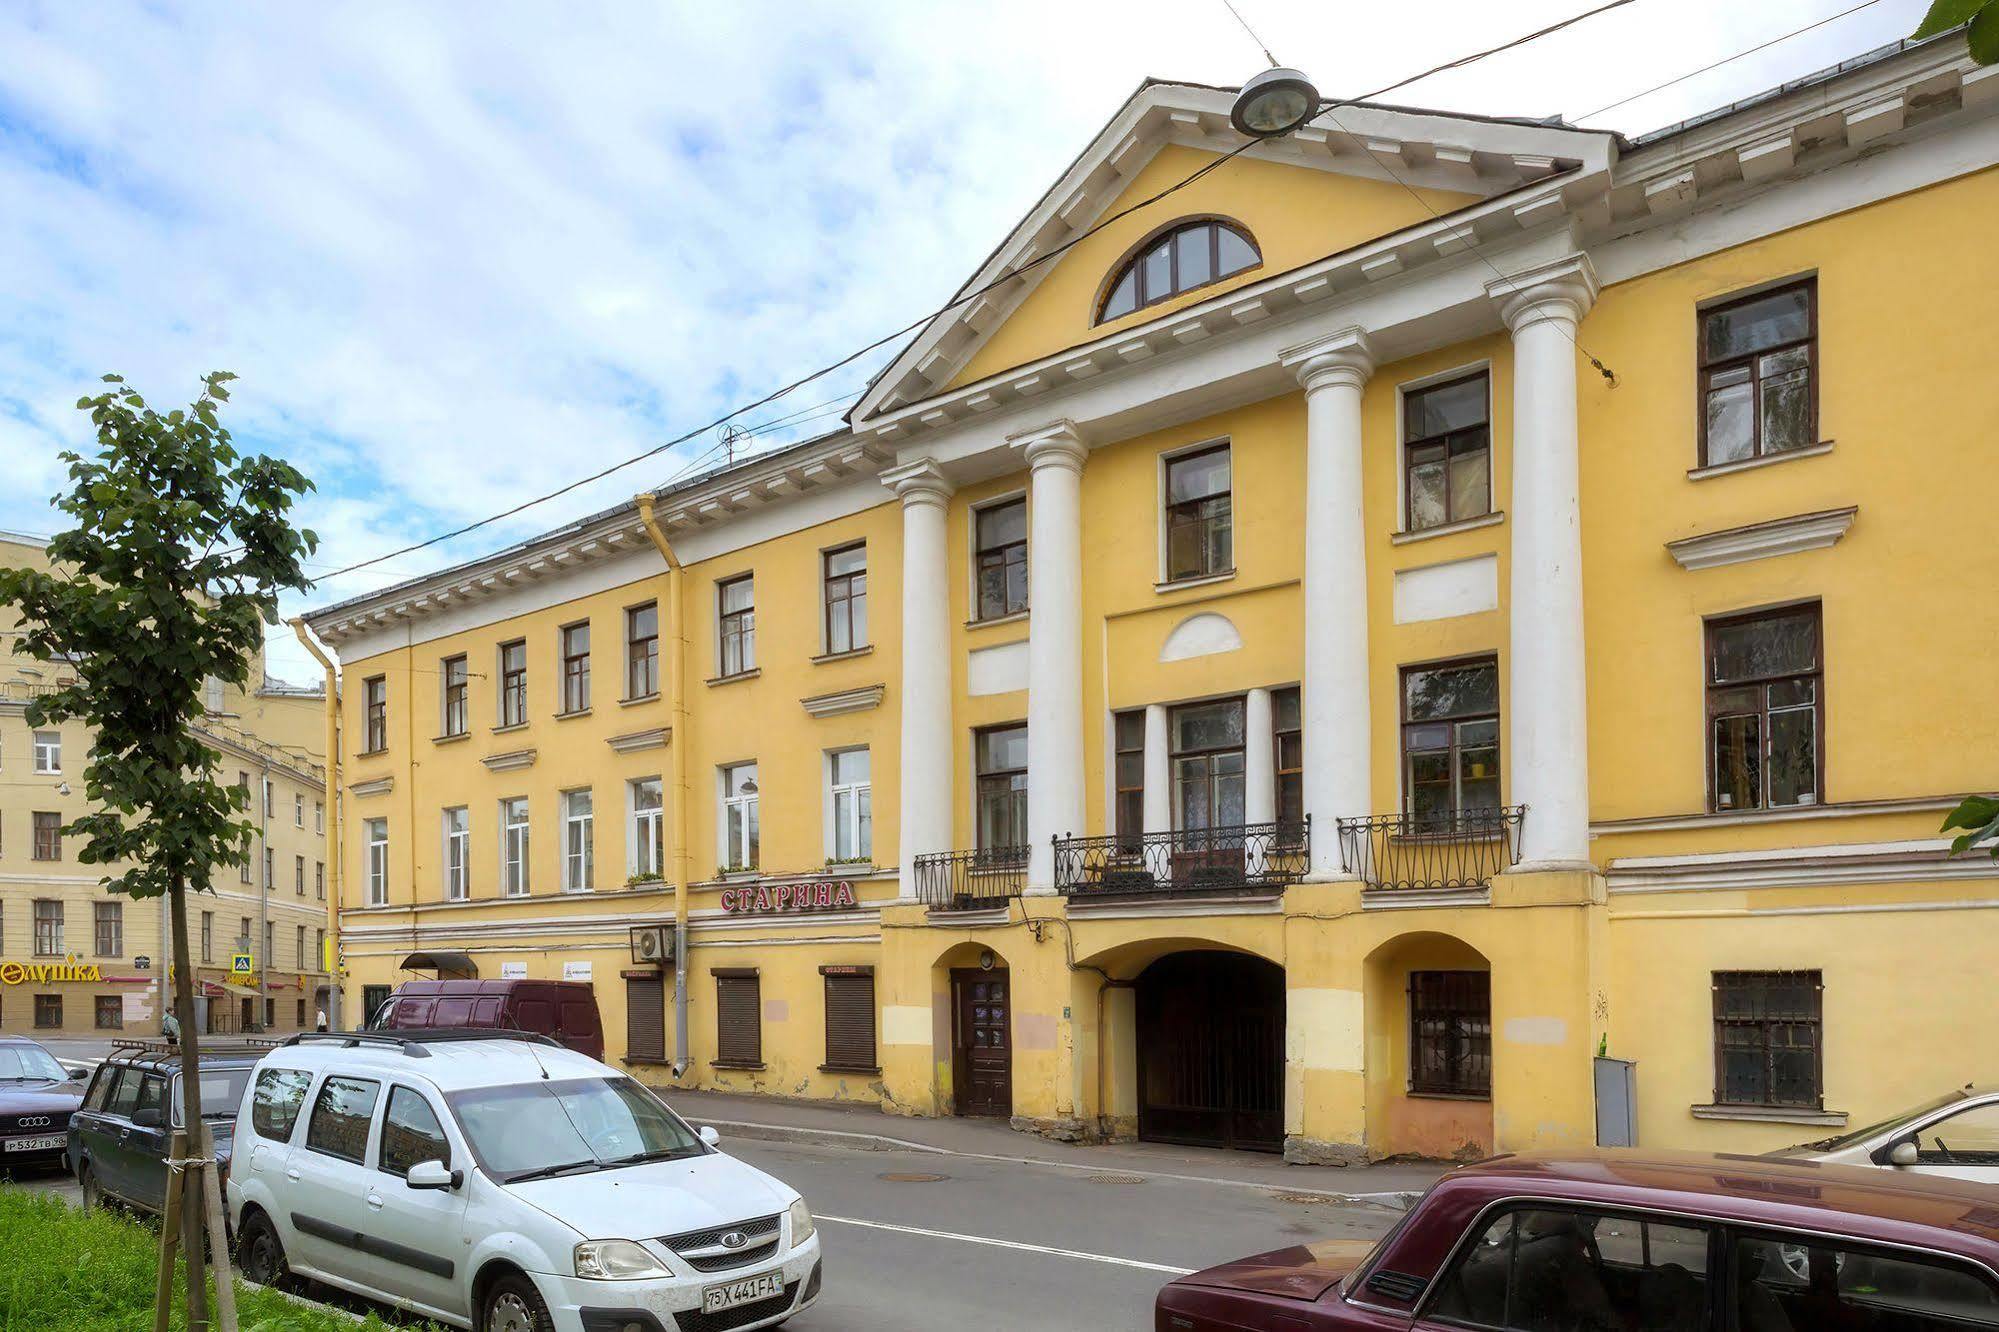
column 848, row 655
column 1817, row 450
column 1772, row 1114
column 514, row 726
column 1014, row 618
column 735, row 1064
column 575, row 712
column 863, row 1069
column 1479, row 1097
column 365, row 753
column 739, row 676
column 1493, row 519
column 447, row 739
column 1202, row 580
column 641, row 698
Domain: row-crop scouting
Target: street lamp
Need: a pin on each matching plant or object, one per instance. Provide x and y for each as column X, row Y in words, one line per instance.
column 1274, row 103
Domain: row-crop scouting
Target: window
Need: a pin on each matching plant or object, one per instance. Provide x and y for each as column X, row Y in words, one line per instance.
column 741, row 835
column 1758, row 358
column 48, row 927
column 48, row 1011
column 211, row 693
column 648, row 841
column 1766, row 1038
column 457, row 854
column 1446, row 453
column 1186, row 257
column 579, row 842
column 514, row 683
column 110, row 1012
column 298, row 875
column 268, row 790
column 738, row 1018
column 268, row 958
column 1765, row 709
column 319, row 817
column 576, row 668
column 108, row 932
column 303, row 962
column 642, row 651
column 339, row 1123
column 850, row 1019
column 846, row 577
column 1800, row 1281
column 375, row 714
column 48, row 835
column 736, row 601
column 319, row 879
column 411, row 1133
column 850, row 805
column 267, row 868
column 300, row 1020
column 514, row 846
column 1198, row 527
column 645, row 1018
column 319, row 951
column 378, row 861
column 1207, row 753
column 1536, row 1268
column 1002, row 787
column 455, row 675
column 1128, row 735
column 48, row 751
column 208, row 936
column 1450, row 1033
column 1000, row 555
column 298, row 811
column 1289, row 749
column 1450, row 740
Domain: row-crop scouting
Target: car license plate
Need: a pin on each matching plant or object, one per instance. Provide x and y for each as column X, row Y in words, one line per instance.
column 747, row 1291
column 46, row 1142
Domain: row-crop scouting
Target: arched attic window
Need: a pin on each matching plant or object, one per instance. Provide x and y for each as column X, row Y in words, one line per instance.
column 1185, row 256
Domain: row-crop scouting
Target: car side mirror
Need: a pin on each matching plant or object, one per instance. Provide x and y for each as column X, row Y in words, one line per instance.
column 146, row 1118
column 79, row 1075
column 1903, row 1153
column 709, row 1135
column 433, row 1175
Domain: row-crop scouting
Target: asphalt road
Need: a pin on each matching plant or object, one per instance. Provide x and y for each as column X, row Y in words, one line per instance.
column 920, row 1241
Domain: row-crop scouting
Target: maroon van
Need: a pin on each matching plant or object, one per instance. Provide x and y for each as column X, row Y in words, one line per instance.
column 565, row 1011
column 1624, row 1241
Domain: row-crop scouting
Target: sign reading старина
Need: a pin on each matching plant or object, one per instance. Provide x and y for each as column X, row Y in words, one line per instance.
column 41, row 973
column 810, row 895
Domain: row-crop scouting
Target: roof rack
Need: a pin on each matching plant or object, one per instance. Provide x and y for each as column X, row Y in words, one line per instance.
column 158, row 1053
column 413, row 1041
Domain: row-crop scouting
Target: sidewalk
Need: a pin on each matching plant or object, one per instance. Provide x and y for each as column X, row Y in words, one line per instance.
column 867, row 1128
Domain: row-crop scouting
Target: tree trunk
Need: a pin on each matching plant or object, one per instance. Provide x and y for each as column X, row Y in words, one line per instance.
column 191, row 1199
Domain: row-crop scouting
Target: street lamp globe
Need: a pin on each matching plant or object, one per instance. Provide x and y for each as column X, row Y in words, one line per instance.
column 1274, row 103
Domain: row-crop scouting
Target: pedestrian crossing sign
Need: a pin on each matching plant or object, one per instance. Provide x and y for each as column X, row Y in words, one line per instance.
column 242, row 964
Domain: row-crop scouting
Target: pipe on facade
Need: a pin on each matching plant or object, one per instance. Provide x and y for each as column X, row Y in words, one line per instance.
column 334, row 841
column 676, row 689
column 1105, row 1123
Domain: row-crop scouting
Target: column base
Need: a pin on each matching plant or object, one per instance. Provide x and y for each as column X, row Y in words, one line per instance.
column 1301, row 1150
column 1040, row 892
column 1554, row 865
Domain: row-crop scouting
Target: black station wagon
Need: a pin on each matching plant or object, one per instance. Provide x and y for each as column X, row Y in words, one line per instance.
column 118, row 1140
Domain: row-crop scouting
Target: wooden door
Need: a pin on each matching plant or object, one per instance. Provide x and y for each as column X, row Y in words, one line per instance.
column 982, row 1043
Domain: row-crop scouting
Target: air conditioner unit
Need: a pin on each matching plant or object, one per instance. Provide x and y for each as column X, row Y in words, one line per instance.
column 652, row 944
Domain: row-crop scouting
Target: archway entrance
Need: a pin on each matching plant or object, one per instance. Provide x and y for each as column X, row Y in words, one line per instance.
column 982, row 1044
column 1211, row 1051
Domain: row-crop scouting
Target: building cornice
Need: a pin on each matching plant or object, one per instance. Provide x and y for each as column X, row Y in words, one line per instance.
column 1762, row 541
column 1925, row 860
column 839, row 703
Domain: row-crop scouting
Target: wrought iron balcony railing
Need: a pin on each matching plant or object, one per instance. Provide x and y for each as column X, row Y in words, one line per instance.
column 1435, row 851
column 970, row 880
column 1185, row 862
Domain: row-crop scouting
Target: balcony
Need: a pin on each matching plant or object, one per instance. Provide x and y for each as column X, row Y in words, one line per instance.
column 1444, row 851
column 1188, row 862
column 970, row 880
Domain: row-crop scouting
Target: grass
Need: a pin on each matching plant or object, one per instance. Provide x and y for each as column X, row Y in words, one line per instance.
column 66, row 1270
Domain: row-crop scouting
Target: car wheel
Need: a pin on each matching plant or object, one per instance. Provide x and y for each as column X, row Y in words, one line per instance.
column 514, row 1305
column 260, row 1253
column 93, row 1196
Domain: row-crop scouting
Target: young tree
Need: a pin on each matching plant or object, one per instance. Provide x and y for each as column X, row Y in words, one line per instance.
column 173, row 563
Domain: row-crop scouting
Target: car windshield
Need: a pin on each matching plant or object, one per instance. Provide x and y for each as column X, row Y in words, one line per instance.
column 29, row 1063
column 221, row 1092
column 1860, row 1135
column 536, row 1129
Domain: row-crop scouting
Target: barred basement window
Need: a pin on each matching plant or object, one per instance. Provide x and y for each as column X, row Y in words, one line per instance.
column 1767, row 1046
column 48, row 1011
column 850, row 1019
column 1450, row 1030
column 110, row 1012
column 738, row 1018
column 645, row 1017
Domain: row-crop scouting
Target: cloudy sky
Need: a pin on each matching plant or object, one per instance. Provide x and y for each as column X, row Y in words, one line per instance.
column 463, row 254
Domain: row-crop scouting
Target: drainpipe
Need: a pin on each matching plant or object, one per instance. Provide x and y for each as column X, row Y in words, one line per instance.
column 265, row 873
column 676, row 689
column 333, row 838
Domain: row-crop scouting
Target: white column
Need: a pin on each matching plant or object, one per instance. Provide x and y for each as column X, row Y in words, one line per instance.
column 1055, row 456
column 1334, row 723
column 1546, row 698
column 1158, row 771
column 1259, row 761
column 927, row 762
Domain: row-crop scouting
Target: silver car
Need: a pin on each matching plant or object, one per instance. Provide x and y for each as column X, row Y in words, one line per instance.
column 1955, row 1135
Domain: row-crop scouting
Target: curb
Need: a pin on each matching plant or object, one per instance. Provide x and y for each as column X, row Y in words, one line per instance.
column 866, row 1142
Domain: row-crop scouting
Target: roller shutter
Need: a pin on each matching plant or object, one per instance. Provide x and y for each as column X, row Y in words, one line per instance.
column 850, row 1019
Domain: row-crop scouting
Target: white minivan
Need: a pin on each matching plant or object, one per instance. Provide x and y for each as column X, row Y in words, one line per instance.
column 502, row 1182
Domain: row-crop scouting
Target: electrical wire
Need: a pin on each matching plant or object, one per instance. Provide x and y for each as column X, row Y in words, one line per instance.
column 1252, row 33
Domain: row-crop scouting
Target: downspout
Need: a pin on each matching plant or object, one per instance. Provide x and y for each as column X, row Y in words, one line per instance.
column 676, row 693
column 334, row 842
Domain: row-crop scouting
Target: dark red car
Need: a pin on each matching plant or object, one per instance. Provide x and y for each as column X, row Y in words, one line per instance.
column 1631, row 1242
column 565, row 1011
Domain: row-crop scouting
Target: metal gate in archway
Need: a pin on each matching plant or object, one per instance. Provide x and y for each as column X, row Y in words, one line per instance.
column 1211, row 1051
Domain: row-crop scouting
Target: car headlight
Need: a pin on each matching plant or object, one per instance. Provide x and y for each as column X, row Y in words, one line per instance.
column 616, row 1260
column 801, row 1222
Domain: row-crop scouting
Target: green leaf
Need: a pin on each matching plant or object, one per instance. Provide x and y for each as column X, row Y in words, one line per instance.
column 1972, row 812
column 1945, row 15
column 1984, row 36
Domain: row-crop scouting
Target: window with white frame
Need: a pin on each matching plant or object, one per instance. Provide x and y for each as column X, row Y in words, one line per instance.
column 378, row 861
column 48, row 751
column 298, row 811
column 514, row 846
column 319, row 817
column 457, row 854
column 740, row 834
column 647, row 853
column 849, row 806
column 579, row 842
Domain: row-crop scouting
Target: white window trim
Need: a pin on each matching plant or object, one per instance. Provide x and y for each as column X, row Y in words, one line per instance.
column 724, row 802
column 1402, row 392
column 298, row 811
column 972, row 513
column 462, row 889
column 569, row 821
column 319, row 817
column 52, row 751
column 634, row 840
column 829, row 821
column 377, row 833
column 1165, row 460
column 509, row 885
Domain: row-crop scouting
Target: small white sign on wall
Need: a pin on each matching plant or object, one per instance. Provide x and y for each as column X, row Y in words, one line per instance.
column 513, row 971
column 576, row 971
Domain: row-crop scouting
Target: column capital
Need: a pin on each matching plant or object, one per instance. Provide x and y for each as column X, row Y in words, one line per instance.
column 919, row 482
column 1341, row 359
column 1057, row 444
column 1562, row 290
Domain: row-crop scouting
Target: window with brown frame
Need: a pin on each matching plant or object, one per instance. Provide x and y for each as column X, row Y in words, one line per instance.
column 514, row 683
column 736, row 653
column 1759, row 374
column 850, row 1019
column 1002, row 786
column 642, row 651
column 1199, row 522
column 108, row 933
column 1179, row 260
column 375, row 703
column 1767, row 1046
column 1000, row 535
column 1208, row 759
column 1290, row 753
column 576, row 667
column 48, row 835
column 1446, row 453
column 738, row 1018
column 1450, row 740
column 48, row 1011
column 1128, row 730
column 110, row 1012
column 1766, row 709
column 1450, row 1033
column 845, row 572
column 48, row 927
column 455, row 675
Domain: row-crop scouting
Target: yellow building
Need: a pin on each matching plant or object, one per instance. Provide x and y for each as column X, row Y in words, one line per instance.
column 1310, row 666
column 78, row 960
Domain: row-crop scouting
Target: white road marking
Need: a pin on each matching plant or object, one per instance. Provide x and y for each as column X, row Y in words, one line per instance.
column 1008, row 1244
